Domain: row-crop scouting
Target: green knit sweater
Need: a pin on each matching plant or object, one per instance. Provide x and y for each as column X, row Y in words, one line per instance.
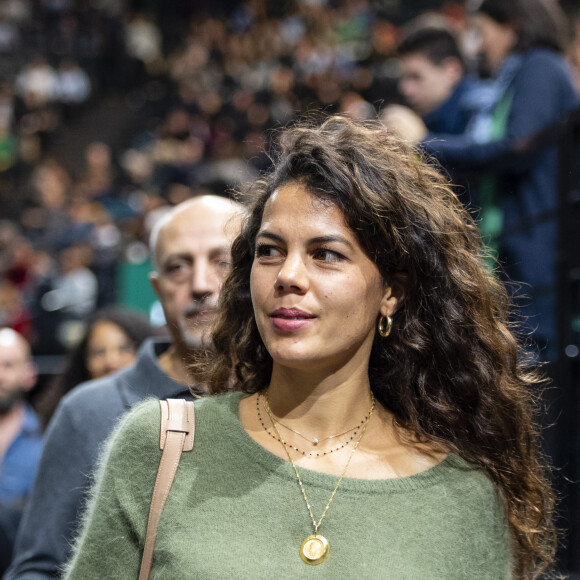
column 236, row 511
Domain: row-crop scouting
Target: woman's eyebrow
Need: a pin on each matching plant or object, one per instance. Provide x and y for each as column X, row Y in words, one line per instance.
column 270, row 235
column 331, row 238
column 315, row 240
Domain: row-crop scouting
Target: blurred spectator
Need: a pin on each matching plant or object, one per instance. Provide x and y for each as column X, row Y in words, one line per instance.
column 17, row 11
column 37, row 84
column 44, row 218
column 354, row 106
column 9, row 233
column 143, row 40
column 574, row 48
column 75, row 287
column 521, row 42
column 99, row 173
column 9, row 35
column 8, row 141
column 73, row 84
column 13, row 311
column 20, row 435
column 110, row 341
column 433, row 81
column 17, row 280
column 434, row 84
column 106, row 243
column 175, row 151
column 8, row 148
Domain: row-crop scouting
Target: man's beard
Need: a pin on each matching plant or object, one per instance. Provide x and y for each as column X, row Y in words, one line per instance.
column 192, row 338
column 9, row 401
column 194, row 335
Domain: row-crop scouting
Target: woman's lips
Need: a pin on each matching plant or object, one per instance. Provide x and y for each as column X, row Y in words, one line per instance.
column 291, row 319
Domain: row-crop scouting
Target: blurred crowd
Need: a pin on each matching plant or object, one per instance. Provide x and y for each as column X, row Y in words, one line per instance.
column 206, row 91
column 112, row 112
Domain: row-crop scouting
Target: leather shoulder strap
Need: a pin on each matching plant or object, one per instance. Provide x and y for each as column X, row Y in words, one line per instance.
column 176, row 435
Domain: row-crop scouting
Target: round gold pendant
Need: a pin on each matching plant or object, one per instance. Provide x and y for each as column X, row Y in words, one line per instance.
column 314, row 549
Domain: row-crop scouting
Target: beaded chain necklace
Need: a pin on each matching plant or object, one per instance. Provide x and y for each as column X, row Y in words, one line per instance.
column 314, row 441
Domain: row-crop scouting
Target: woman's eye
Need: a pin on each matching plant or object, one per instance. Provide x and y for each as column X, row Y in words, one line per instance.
column 96, row 353
column 267, row 251
column 328, row 255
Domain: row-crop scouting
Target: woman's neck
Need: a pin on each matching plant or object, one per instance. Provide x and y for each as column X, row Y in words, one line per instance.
column 332, row 408
column 322, row 404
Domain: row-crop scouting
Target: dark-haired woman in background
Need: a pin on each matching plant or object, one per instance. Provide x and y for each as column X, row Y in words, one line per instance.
column 381, row 424
column 110, row 341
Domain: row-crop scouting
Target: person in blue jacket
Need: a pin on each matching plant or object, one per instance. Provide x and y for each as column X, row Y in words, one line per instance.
column 20, row 436
column 434, row 83
column 517, row 177
column 433, row 79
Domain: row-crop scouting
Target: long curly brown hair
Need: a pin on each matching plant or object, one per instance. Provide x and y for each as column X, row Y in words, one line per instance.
column 452, row 371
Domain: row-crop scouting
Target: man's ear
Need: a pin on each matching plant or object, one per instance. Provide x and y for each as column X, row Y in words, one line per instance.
column 453, row 69
column 154, row 279
column 30, row 377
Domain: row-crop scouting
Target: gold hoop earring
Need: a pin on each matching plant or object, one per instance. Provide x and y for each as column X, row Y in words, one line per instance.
column 385, row 325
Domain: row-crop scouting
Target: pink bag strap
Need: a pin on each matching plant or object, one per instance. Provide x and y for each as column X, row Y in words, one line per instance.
column 176, row 435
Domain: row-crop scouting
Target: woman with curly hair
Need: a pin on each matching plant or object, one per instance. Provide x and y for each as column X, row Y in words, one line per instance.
column 380, row 423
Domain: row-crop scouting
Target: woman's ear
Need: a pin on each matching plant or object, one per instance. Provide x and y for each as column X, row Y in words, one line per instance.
column 394, row 295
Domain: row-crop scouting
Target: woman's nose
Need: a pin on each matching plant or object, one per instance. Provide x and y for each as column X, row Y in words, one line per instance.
column 293, row 275
column 114, row 360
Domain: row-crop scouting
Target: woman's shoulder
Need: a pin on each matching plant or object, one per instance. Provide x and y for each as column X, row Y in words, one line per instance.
column 145, row 413
column 143, row 420
column 222, row 404
column 138, row 428
column 464, row 480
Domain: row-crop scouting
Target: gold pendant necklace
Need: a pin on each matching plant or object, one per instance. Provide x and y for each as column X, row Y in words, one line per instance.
column 315, row 548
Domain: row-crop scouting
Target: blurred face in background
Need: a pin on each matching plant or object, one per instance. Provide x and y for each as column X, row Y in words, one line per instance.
column 109, row 349
column 17, row 373
column 193, row 258
column 496, row 40
column 425, row 85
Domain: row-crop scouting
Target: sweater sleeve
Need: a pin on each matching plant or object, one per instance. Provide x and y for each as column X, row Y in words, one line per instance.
column 541, row 94
column 111, row 540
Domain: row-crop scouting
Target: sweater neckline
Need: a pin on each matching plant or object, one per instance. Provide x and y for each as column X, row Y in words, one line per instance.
column 233, row 429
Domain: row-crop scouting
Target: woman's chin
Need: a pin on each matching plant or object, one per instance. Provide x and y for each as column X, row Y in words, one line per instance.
column 294, row 360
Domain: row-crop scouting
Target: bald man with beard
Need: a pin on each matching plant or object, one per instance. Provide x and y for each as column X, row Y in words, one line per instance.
column 20, row 436
column 191, row 249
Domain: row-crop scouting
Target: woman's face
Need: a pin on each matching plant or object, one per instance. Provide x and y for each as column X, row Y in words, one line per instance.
column 108, row 349
column 316, row 294
column 497, row 40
